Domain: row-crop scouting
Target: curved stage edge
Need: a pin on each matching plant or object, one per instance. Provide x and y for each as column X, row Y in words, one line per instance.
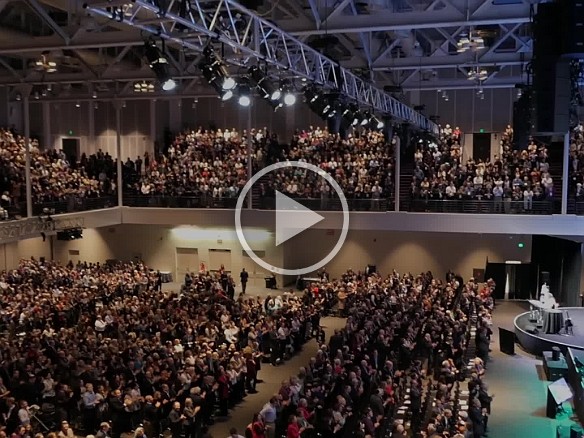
column 538, row 343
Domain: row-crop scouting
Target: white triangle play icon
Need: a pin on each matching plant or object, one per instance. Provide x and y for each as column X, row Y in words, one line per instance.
column 292, row 218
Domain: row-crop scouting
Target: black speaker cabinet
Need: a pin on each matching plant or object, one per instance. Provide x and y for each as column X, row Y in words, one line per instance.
column 506, row 341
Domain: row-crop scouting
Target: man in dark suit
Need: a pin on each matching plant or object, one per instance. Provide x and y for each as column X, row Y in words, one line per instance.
column 478, row 419
column 243, row 277
column 10, row 415
column 376, row 403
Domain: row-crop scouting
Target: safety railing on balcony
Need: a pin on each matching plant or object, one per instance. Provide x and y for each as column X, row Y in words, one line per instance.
column 74, row 204
column 473, row 206
column 263, row 203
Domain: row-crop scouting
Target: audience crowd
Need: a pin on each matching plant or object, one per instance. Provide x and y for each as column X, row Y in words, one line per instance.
column 576, row 162
column 102, row 349
column 53, row 176
column 397, row 366
column 521, row 176
column 212, row 166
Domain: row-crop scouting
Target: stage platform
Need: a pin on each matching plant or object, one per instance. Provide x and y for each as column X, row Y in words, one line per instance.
column 540, row 342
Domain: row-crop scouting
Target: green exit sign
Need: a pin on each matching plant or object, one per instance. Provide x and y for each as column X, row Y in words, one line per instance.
column 70, row 132
column 482, row 131
column 520, row 245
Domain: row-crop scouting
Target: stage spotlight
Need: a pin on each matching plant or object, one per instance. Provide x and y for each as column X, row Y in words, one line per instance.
column 169, row 85
column 289, row 97
column 350, row 114
column 159, row 64
column 375, row 122
column 244, row 91
column 228, row 83
column 225, row 95
column 266, row 88
column 215, row 72
column 365, row 118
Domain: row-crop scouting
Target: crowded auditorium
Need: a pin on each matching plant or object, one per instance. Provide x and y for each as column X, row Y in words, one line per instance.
column 291, row 219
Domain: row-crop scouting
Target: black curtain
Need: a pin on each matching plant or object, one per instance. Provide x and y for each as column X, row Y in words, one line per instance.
column 563, row 260
column 497, row 271
column 524, row 281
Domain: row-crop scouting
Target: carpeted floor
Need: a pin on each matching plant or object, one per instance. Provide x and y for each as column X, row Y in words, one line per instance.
column 272, row 377
column 518, row 382
column 519, row 385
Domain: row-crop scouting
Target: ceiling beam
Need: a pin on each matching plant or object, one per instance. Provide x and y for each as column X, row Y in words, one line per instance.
column 36, row 6
column 462, row 84
column 85, row 40
column 445, row 61
column 384, row 22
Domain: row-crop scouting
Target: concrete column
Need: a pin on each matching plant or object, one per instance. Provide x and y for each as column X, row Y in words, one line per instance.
column 47, row 138
column 174, row 115
column 4, row 109
column 565, row 164
column 153, row 130
column 118, row 107
column 26, row 120
column 397, row 176
column 249, row 156
column 91, row 126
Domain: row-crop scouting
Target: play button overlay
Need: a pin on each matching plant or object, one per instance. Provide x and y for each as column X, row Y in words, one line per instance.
column 292, row 218
column 289, row 225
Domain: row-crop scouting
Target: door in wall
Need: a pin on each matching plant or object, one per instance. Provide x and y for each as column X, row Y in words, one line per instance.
column 187, row 260
column 481, row 146
column 71, row 149
column 218, row 257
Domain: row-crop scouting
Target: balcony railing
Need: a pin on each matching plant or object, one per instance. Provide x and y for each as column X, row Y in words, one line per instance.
column 262, row 203
column 74, row 204
column 160, row 201
column 473, row 206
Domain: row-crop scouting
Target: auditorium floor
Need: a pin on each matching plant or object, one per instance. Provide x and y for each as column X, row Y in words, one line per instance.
column 272, row 378
column 519, row 385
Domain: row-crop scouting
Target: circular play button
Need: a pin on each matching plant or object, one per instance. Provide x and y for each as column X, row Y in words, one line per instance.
column 292, row 218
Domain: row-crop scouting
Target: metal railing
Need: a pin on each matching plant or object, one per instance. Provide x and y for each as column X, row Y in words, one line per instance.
column 576, row 206
column 334, row 204
column 162, row 201
column 74, row 204
column 263, row 203
column 474, row 206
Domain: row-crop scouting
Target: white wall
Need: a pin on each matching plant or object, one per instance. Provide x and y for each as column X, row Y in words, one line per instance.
column 144, row 121
column 407, row 252
column 156, row 245
column 466, row 110
column 94, row 127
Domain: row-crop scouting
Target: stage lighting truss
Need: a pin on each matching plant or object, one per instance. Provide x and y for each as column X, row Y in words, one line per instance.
column 33, row 227
column 245, row 34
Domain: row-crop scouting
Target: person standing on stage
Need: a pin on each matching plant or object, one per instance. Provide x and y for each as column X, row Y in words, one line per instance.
column 243, row 276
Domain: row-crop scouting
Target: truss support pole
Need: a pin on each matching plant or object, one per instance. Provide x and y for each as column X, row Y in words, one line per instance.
column 397, row 171
column 118, row 108
column 249, row 157
column 566, row 164
column 28, row 180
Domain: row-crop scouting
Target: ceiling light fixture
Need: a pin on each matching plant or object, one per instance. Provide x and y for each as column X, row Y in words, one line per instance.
column 44, row 64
